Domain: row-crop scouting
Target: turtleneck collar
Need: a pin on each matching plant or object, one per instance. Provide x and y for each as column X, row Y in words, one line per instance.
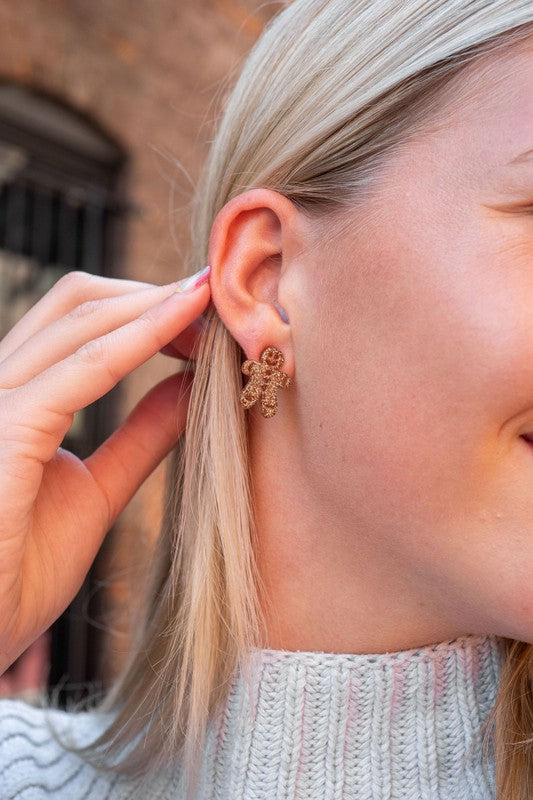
column 368, row 726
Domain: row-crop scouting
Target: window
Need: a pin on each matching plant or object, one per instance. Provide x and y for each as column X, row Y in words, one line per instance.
column 60, row 210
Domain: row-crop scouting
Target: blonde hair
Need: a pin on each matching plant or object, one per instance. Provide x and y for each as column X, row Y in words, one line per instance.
column 327, row 92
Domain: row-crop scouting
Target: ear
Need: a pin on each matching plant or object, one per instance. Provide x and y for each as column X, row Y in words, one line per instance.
column 253, row 251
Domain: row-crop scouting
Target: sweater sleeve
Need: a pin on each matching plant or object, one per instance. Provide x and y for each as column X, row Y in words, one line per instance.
column 33, row 766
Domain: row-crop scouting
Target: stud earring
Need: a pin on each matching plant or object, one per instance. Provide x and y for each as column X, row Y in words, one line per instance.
column 265, row 377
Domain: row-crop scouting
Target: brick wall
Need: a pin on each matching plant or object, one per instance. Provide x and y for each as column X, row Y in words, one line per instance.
column 147, row 73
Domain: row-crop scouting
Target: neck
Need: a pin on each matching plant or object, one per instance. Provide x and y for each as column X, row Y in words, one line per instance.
column 330, row 580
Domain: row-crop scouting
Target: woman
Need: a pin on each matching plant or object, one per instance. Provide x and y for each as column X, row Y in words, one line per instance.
column 340, row 604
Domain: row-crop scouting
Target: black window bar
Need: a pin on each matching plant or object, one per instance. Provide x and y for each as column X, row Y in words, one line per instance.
column 61, row 209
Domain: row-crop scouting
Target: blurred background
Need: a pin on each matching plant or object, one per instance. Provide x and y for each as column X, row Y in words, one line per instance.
column 106, row 111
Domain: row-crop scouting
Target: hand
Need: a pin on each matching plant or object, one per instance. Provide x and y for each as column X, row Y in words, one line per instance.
column 28, row 675
column 68, row 350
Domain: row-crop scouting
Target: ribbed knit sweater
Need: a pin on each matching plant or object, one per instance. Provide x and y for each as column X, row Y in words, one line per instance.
column 328, row 726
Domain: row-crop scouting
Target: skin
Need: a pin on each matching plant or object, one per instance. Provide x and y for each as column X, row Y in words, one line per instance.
column 76, row 343
column 393, row 491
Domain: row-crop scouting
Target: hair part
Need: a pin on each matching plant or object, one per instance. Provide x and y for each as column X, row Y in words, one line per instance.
column 327, row 93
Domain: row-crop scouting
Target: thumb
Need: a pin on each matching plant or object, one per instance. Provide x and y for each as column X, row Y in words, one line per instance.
column 122, row 463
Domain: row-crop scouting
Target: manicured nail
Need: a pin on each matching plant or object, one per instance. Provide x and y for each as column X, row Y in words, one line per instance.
column 200, row 323
column 193, row 281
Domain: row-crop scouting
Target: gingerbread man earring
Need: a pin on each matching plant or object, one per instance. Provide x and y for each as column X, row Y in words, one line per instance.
column 265, row 377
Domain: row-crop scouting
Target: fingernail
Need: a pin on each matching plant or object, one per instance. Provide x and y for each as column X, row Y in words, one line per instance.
column 193, row 281
column 200, row 323
column 282, row 312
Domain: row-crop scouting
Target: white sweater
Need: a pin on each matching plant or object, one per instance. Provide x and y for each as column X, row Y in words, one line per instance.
column 328, row 726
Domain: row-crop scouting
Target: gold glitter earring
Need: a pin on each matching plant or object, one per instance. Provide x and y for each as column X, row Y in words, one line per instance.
column 265, row 377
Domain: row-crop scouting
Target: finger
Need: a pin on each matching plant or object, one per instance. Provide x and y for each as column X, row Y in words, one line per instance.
column 63, row 336
column 172, row 351
column 69, row 291
column 32, row 666
column 7, row 688
column 184, row 344
column 135, row 449
column 51, row 398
